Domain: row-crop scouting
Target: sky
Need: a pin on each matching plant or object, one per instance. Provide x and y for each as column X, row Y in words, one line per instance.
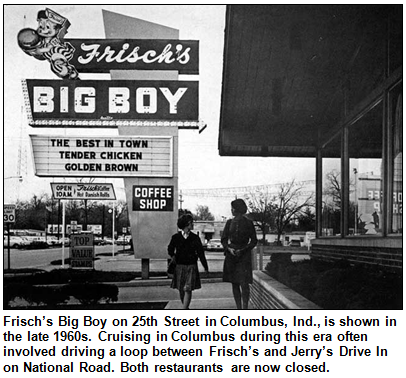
column 200, row 166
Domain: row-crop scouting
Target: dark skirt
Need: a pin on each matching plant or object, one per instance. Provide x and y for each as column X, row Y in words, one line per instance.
column 238, row 270
column 186, row 278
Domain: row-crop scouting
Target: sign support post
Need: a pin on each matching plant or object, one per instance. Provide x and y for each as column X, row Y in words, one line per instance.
column 114, row 219
column 150, row 230
column 9, row 216
column 8, row 247
column 63, row 233
column 113, row 214
column 144, row 269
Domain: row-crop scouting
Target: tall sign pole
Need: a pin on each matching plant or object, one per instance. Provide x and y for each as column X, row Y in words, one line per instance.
column 151, row 229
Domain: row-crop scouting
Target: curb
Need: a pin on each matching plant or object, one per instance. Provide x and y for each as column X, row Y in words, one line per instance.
column 140, row 282
column 158, row 282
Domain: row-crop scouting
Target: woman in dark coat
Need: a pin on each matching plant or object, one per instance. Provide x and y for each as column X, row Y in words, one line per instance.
column 238, row 239
column 186, row 248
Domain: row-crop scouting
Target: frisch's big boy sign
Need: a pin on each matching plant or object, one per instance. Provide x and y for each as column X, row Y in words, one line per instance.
column 105, row 103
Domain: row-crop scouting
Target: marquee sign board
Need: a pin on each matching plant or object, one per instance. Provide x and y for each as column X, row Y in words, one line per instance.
column 109, row 103
column 103, row 55
column 119, row 156
column 153, row 198
column 80, row 191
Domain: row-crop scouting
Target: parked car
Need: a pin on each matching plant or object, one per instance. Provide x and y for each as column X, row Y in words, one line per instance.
column 214, row 245
column 122, row 240
column 15, row 241
column 295, row 243
column 37, row 242
column 52, row 241
column 108, row 241
column 99, row 241
column 66, row 241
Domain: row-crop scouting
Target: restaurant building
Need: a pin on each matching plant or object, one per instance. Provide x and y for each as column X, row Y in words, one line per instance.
column 324, row 82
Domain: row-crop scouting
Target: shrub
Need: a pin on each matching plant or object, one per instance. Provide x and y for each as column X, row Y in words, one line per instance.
column 64, row 276
column 92, row 293
column 34, row 295
column 52, row 296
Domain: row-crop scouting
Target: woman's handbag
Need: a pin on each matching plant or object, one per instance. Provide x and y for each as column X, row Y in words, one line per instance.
column 172, row 266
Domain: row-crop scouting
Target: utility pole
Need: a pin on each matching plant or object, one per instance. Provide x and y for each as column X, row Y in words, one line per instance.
column 180, row 200
column 355, row 201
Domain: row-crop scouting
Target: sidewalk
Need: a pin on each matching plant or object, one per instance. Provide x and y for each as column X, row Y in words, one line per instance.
column 214, row 293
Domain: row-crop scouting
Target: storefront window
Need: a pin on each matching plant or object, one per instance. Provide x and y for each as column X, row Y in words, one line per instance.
column 365, row 174
column 396, row 120
column 331, row 197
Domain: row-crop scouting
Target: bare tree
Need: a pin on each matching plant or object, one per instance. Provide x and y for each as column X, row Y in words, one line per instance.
column 74, row 211
column 261, row 211
column 32, row 213
column 332, row 200
column 291, row 202
column 121, row 210
column 278, row 209
column 332, row 189
column 307, row 219
column 203, row 213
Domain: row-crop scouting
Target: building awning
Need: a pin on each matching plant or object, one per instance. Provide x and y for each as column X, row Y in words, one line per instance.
column 284, row 72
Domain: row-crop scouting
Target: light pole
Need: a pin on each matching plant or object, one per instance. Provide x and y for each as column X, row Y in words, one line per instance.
column 355, row 201
column 180, row 200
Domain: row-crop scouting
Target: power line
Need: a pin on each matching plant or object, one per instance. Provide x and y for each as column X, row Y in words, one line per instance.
column 245, row 190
